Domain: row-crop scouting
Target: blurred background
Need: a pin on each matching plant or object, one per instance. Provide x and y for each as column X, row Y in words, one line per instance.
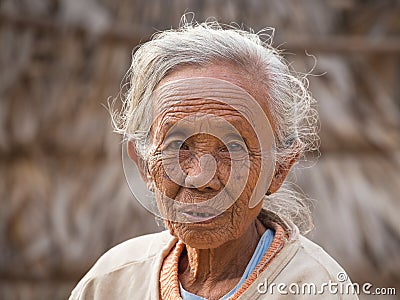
column 63, row 197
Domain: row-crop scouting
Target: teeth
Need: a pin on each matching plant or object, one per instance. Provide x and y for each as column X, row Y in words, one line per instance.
column 200, row 214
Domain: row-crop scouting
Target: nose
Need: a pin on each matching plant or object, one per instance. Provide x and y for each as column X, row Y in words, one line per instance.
column 202, row 174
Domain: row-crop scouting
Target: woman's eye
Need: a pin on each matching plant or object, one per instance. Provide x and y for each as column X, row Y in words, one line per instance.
column 235, row 147
column 177, row 145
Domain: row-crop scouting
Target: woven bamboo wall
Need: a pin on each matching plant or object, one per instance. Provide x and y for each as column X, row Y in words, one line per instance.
column 64, row 200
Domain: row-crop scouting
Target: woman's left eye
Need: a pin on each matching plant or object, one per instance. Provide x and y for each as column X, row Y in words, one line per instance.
column 234, row 147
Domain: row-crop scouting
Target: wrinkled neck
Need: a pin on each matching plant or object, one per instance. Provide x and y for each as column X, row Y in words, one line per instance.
column 225, row 262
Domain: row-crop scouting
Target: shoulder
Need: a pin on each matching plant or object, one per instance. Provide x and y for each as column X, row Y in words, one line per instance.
column 317, row 259
column 138, row 255
column 134, row 250
column 301, row 268
column 300, row 256
column 312, row 271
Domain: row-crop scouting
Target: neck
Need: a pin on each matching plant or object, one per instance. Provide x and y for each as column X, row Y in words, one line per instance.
column 230, row 259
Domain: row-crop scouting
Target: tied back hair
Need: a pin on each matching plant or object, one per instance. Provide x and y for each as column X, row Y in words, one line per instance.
column 290, row 104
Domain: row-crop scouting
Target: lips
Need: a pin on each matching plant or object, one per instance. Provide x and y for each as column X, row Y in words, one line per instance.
column 198, row 213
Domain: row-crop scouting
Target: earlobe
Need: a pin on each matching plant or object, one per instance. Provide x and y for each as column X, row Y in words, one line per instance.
column 135, row 157
column 277, row 180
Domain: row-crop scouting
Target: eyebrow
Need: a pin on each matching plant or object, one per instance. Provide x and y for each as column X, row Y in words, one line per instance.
column 174, row 134
column 234, row 136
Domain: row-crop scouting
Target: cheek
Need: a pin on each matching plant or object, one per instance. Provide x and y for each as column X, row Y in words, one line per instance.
column 245, row 175
column 164, row 187
column 254, row 172
column 161, row 171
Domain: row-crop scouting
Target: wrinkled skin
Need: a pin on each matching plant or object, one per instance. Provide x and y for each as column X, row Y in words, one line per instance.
column 217, row 251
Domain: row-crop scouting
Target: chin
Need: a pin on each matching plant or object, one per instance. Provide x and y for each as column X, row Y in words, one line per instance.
column 197, row 241
column 200, row 236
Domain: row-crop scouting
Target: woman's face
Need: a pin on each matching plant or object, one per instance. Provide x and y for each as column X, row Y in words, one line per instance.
column 207, row 156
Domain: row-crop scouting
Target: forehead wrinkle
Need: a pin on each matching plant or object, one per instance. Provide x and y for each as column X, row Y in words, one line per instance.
column 191, row 107
column 220, row 128
column 200, row 91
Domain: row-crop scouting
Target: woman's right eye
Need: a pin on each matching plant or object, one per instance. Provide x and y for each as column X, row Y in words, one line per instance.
column 177, row 145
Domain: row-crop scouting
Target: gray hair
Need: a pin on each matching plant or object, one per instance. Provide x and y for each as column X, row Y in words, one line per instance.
column 290, row 103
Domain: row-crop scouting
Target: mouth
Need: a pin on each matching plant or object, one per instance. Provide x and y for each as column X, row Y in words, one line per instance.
column 198, row 214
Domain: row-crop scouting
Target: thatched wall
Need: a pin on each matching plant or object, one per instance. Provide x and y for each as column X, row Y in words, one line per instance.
column 64, row 200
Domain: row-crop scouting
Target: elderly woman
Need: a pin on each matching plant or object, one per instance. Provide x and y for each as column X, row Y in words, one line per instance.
column 214, row 120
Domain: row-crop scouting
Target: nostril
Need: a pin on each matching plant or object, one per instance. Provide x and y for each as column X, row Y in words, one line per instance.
column 191, row 186
column 208, row 189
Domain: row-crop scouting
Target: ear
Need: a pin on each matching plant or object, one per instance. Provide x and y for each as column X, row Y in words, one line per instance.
column 282, row 167
column 140, row 163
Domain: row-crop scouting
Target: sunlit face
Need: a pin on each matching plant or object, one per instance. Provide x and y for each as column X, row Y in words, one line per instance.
column 212, row 159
